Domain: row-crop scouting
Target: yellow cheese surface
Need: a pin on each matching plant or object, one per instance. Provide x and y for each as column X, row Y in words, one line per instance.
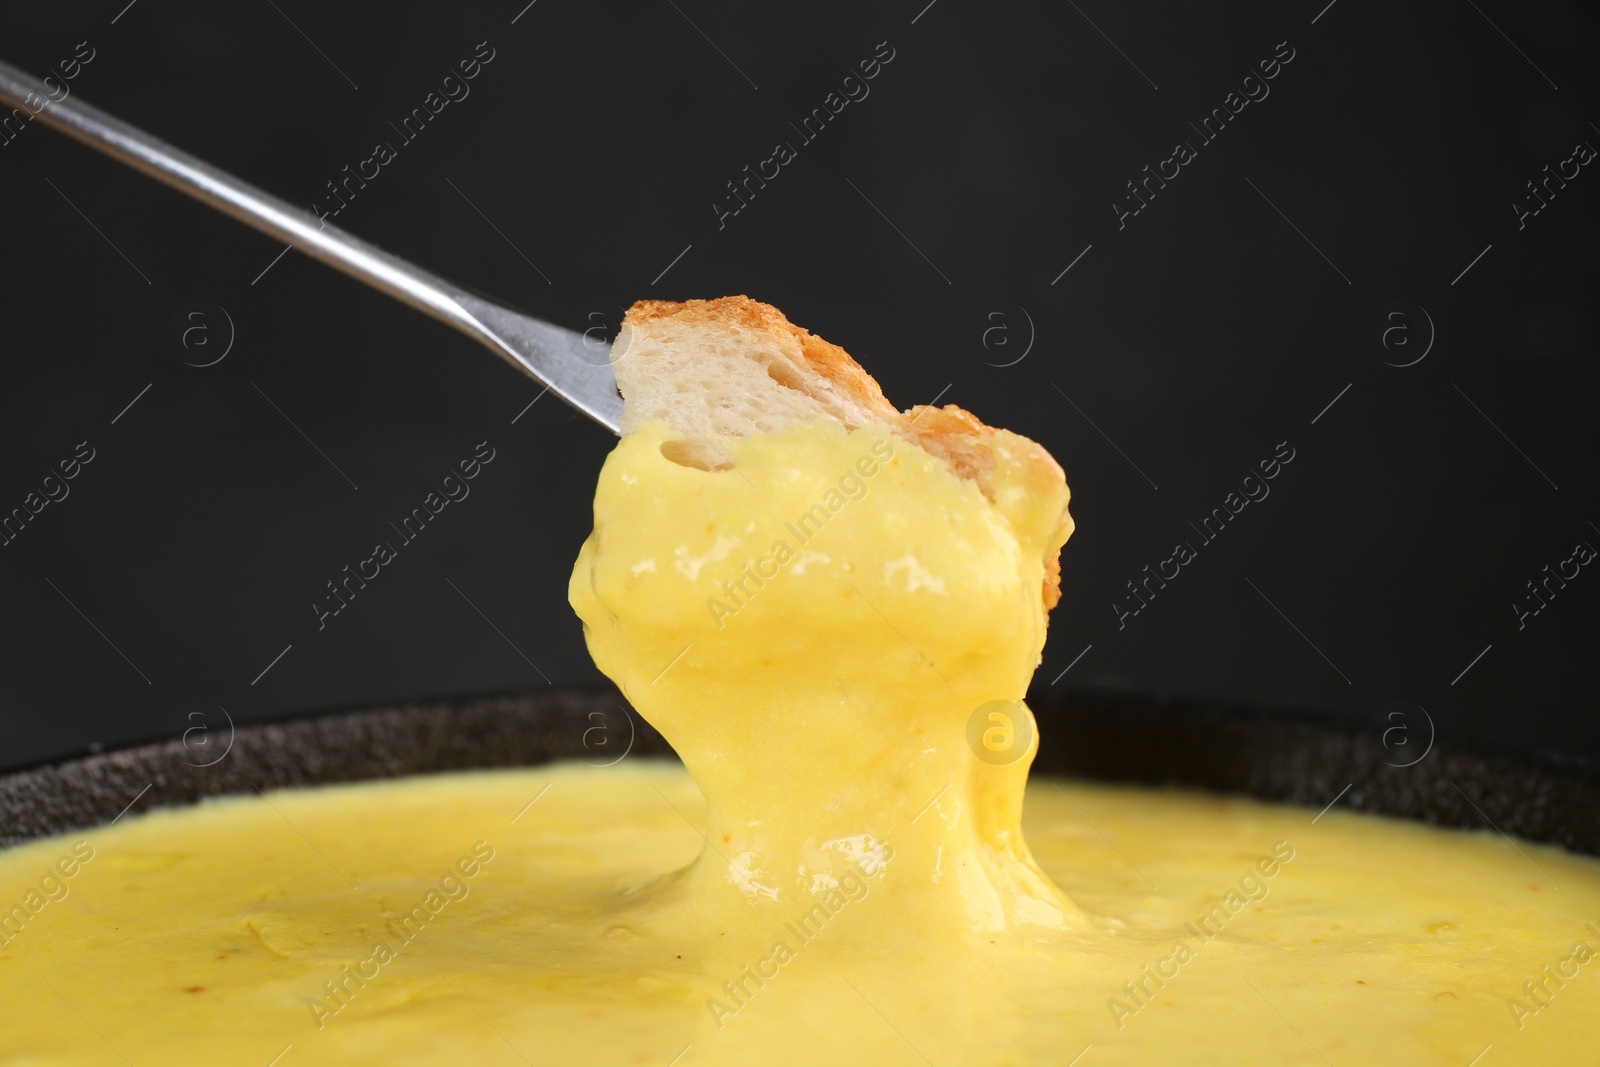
column 850, row 867
column 212, row 935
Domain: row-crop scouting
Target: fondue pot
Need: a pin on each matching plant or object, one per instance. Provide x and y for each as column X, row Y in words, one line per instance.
column 1320, row 762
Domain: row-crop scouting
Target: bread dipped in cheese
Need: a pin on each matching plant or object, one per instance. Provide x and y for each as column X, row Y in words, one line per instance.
column 811, row 595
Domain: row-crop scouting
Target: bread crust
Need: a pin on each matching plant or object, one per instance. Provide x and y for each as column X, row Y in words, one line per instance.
column 950, row 433
column 824, row 358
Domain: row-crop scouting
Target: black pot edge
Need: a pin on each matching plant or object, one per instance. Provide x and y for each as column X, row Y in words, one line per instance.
column 1317, row 759
column 1301, row 757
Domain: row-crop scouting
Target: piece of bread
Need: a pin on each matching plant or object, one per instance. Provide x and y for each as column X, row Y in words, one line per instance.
column 734, row 366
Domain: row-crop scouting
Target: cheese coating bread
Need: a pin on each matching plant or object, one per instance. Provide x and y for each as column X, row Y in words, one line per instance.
column 734, row 367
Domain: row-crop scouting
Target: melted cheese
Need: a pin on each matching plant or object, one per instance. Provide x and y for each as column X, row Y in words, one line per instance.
column 842, row 606
column 835, row 633
column 215, row 934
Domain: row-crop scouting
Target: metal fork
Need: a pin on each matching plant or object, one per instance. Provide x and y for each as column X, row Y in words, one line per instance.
column 574, row 366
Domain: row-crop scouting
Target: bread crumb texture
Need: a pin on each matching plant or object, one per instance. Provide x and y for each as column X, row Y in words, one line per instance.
column 734, row 367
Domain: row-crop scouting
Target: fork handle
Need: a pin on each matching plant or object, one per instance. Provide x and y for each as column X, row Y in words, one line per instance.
column 278, row 218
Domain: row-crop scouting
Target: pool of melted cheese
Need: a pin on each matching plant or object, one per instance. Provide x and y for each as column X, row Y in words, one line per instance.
column 842, row 870
column 220, row 934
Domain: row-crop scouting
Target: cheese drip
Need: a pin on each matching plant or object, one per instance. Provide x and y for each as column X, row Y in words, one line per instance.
column 813, row 628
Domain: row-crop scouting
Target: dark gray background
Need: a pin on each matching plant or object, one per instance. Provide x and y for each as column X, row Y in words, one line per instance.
column 1219, row 322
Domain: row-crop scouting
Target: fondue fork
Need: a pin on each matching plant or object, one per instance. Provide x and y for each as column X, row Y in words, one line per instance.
column 574, row 366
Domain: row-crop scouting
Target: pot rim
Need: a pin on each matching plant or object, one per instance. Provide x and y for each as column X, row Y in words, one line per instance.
column 1297, row 756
